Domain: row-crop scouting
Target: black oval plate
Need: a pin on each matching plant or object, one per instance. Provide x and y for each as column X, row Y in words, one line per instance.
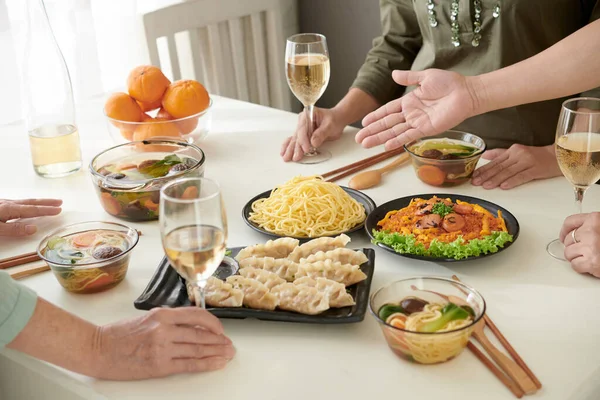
column 362, row 198
column 167, row 289
column 512, row 225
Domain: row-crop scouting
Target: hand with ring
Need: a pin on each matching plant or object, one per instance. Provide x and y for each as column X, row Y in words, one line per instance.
column 581, row 236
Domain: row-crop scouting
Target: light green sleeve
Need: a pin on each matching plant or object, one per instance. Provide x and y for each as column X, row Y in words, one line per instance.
column 594, row 16
column 17, row 303
column 396, row 48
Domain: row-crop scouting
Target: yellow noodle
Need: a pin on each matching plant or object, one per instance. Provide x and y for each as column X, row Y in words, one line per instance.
column 307, row 207
column 435, row 348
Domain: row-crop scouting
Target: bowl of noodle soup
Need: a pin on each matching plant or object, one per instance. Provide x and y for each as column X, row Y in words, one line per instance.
column 427, row 320
column 89, row 257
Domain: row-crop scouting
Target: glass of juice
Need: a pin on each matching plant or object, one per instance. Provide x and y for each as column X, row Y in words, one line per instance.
column 193, row 228
column 577, row 151
column 307, row 71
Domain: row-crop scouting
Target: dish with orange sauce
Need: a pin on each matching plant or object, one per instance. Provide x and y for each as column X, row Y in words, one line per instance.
column 439, row 227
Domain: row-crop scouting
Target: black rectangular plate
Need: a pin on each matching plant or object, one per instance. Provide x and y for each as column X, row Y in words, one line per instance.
column 167, row 289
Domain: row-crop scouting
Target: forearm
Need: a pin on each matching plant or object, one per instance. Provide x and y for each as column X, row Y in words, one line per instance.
column 354, row 106
column 58, row 337
column 570, row 66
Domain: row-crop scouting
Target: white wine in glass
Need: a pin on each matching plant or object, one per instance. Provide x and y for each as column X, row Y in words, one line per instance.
column 578, row 151
column 194, row 230
column 307, row 71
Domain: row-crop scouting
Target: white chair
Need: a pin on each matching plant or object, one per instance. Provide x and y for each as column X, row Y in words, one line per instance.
column 235, row 48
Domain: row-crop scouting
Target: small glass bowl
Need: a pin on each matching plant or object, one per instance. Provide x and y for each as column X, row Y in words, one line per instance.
column 424, row 347
column 94, row 276
column 138, row 201
column 447, row 173
column 190, row 129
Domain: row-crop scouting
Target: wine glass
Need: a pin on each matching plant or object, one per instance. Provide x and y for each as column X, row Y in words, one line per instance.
column 193, row 228
column 307, row 70
column 577, row 151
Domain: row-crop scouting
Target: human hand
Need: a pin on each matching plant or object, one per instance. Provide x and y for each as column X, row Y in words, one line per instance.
column 582, row 248
column 442, row 100
column 15, row 209
column 515, row 166
column 163, row 342
column 326, row 127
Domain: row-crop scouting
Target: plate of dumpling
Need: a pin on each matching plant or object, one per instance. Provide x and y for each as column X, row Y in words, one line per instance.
column 319, row 281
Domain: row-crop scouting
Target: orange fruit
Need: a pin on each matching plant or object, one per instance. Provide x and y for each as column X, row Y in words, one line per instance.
column 163, row 114
column 147, row 118
column 185, row 126
column 156, row 127
column 149, row 106
column 185, row 98
column 147, row 84
column 122, row 107
column 188, row 125
column 127, row 134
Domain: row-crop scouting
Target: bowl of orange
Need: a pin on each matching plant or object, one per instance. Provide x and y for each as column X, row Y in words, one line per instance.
column 156, row 108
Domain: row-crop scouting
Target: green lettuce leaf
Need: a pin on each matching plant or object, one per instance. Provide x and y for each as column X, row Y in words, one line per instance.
column 458, row 249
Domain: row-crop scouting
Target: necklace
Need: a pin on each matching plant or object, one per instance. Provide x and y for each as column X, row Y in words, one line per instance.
column 454, row 27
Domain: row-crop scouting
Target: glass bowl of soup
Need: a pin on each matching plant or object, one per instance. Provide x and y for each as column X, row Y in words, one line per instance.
column 128, row 177
column 448, row 159
column 427, row 320
column 89, row 257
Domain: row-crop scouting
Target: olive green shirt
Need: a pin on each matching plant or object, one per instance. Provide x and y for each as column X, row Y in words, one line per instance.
column 522, row 29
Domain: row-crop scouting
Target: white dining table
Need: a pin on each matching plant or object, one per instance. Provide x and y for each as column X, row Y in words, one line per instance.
column 546, row 310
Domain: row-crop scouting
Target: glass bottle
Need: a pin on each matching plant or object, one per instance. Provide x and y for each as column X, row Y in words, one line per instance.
column 48, row 104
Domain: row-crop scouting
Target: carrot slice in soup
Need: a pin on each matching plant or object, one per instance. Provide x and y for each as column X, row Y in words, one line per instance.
column 85, row 239
column 190, row 192
column 431, row 175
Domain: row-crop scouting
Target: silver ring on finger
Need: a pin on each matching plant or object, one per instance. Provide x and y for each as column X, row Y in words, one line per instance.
column 574, row 236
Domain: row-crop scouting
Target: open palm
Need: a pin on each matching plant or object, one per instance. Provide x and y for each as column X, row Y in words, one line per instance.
column 441, row 101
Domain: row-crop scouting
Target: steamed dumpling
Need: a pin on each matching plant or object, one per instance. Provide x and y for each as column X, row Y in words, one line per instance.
column 283, row 267
column 222, row 294
column 269, row 279
column 301, row 299
column 321, row 244
column 341, row 254
column 347, row 274
column 335, row 291
column 279, row 248
column 256, row 295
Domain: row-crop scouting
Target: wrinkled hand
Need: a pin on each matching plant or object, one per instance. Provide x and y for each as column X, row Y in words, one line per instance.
column 163, row 342
column 11, row 210
column 584, row 255
column 326, row 127
column 441, row 101
column 515, row 166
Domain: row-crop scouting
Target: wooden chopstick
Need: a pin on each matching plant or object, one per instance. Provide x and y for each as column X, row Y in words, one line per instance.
column 27, row 258
column 34, row 269
column 366, row 164
column 380, row 156
column 509, row 383
column 513, row 353
column 19, row 260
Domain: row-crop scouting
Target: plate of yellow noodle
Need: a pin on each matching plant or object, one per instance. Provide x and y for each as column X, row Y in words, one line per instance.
column 442, row 227
column 307, row 207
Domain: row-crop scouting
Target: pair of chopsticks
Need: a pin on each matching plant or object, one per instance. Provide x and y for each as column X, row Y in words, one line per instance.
column 23, row 259
column 27, row 258
column 516, row 386
column 360, row 165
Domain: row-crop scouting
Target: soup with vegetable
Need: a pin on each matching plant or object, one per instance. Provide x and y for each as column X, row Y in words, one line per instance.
column 89, row 261
column 131, row 187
